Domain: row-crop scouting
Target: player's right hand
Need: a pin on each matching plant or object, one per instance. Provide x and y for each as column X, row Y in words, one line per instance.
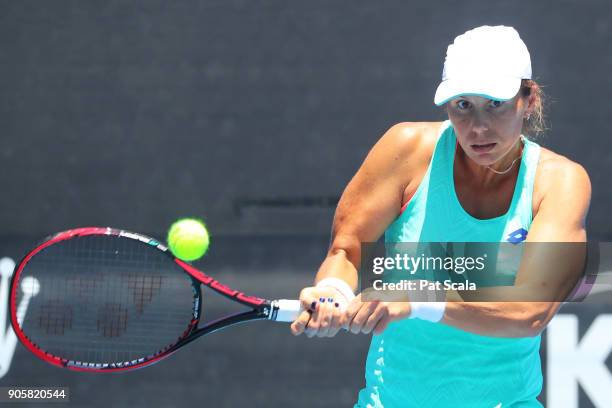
column 323, row 307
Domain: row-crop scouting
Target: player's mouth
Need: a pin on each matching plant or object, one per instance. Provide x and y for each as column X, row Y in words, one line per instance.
column 483, row 148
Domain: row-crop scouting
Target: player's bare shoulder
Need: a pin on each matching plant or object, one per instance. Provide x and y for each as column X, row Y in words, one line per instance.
column 409, row 147
column 410, row 137
column 556, row 171
column 374, row 196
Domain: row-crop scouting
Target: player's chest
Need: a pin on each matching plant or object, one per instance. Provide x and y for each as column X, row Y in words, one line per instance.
column 484, row 203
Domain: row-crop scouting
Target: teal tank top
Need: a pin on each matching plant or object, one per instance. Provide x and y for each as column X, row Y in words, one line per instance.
column 416, row 363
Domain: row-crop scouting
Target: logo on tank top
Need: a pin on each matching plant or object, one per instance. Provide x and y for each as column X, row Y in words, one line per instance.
column 517, row 236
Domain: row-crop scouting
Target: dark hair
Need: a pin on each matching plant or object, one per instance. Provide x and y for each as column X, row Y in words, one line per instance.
column 535, row 124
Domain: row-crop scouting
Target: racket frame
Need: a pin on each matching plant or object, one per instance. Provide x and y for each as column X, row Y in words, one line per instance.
column 261, row 309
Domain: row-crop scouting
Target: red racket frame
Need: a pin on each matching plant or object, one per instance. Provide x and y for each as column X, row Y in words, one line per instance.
column 261, row 308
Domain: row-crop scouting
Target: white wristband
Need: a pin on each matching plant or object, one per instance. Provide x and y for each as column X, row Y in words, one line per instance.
column 340, row 285
column 430, row 311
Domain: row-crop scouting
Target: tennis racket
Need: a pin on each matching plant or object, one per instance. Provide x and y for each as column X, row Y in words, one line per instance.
column 103, row 299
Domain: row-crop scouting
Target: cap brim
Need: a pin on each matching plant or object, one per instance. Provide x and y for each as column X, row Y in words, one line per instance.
column 499, row 88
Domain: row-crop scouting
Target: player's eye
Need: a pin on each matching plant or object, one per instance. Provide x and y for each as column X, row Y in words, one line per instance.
column 462, row 104
column 495, row 104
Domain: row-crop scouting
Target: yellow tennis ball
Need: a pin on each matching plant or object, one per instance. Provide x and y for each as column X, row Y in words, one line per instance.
column 188, row 239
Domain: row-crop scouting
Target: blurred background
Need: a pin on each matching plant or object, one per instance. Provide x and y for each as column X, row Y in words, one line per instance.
column 254, row 115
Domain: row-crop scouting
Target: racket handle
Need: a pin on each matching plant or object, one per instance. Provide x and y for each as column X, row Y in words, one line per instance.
column 285, row 310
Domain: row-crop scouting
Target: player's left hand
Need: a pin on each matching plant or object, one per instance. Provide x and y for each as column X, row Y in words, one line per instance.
column 373, row 316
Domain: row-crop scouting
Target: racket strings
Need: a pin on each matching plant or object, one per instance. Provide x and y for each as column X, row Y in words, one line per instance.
column 55, row 317
column 143, row 288
column 98, row 299
column 112, row 320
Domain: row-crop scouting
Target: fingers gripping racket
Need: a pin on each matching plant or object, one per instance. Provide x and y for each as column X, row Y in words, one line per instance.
column 102, row 299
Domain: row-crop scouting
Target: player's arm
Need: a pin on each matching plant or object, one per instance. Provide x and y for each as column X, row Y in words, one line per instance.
column 370, row 202
column 545, row 272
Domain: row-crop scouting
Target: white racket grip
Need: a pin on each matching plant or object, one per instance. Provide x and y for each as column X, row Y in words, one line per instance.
column 288, row 310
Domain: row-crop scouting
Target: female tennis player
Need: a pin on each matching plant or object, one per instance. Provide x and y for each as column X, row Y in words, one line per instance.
column 472, row 178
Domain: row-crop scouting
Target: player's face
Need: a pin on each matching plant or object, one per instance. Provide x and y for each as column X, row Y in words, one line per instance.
column 487, row 129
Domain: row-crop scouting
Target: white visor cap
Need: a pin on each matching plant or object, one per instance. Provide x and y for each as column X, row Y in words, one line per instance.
column 486, row 61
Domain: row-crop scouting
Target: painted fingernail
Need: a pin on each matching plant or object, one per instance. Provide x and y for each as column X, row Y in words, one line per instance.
column 330, row 299
column 322, row 300
column 337, row 304
column 313, row 305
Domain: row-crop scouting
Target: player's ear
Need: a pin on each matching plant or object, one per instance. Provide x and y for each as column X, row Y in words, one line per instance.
column 530, row 92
